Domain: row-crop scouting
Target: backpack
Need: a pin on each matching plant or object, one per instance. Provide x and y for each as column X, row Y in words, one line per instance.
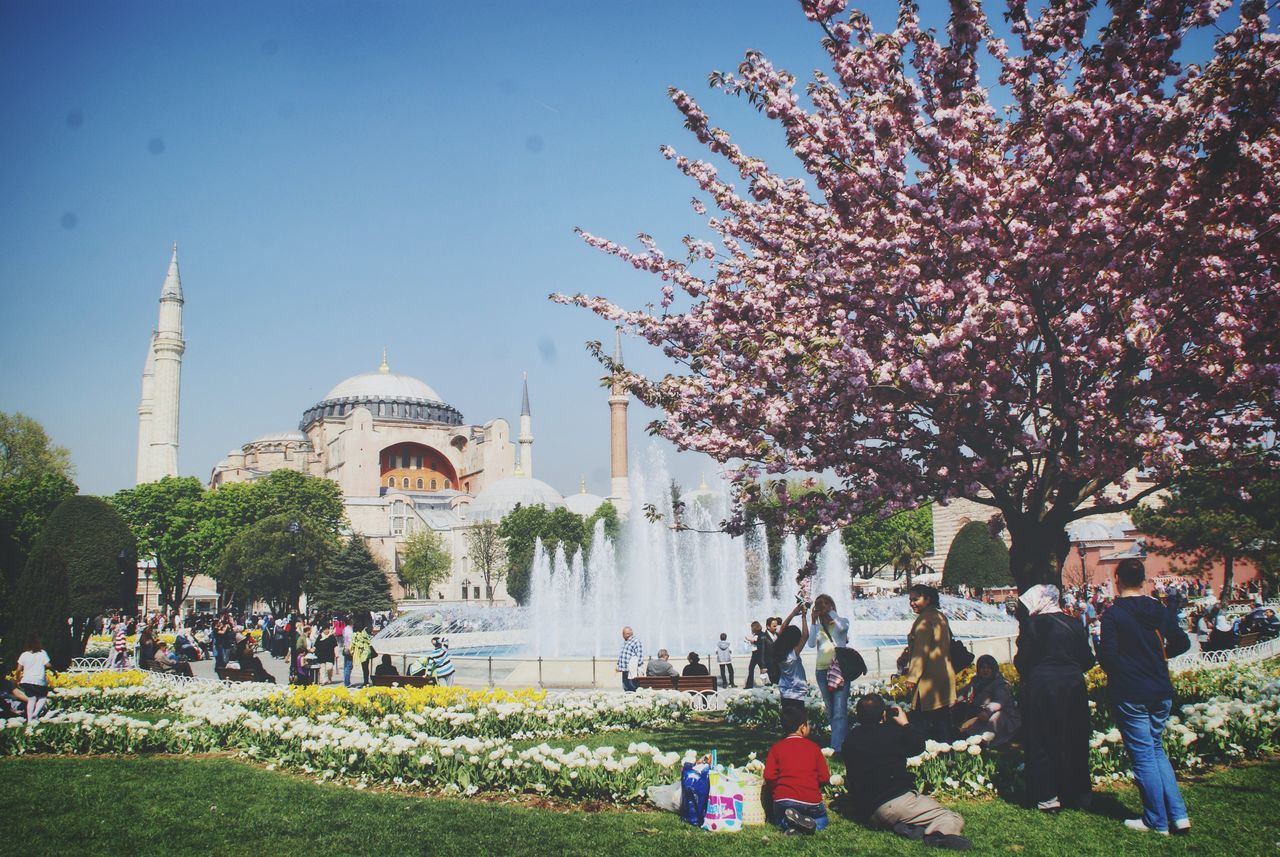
column 961, row 657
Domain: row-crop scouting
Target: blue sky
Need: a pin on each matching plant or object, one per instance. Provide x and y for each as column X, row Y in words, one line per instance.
column 340, row 178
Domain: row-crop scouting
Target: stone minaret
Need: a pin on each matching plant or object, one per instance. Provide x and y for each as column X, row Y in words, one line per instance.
column 166, row 383
column 526, row 432
column 619, row 489
column 144, row 413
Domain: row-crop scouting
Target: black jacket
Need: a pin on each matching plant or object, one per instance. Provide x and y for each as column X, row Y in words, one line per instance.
column 1138, row 636
column 1052, row 645
column 875, row 758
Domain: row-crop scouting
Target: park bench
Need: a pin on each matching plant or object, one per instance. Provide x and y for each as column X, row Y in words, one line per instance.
column 235, row 675
column 1246, row 640
column 687, row 683
column 403, row 680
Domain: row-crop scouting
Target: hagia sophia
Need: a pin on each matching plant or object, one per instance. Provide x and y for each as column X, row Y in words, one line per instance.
column 405, row 459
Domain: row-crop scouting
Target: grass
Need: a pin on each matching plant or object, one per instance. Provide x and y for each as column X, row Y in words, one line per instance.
column 168, row 805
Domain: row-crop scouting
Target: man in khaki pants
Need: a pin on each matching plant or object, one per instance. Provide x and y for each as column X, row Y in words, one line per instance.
column 881, row 789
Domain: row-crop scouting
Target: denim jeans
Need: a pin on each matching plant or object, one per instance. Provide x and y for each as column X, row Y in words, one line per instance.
column 347, row 663
column 628, row 685
column 837, row 705
column 1142, row 725
column 816, row 811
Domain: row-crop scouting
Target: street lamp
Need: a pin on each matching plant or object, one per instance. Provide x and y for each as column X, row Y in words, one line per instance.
column 1084, row 573
column 466, row 588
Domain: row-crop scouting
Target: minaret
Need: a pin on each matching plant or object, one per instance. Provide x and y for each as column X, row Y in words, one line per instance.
column 167, row 384
column 144, row 414
column 619, row 489
column 526, row 432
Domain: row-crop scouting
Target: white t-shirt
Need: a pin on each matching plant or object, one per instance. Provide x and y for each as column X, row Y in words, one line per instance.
column 33, row 664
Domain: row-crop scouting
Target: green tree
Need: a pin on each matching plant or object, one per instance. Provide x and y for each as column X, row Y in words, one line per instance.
column 1206, row 519
column 288, row 492
column 353, row 582
column 488, row 554
column 426, row 561
column 41, row 608
column 872, row 541
column 25, row 503
column 977, row 558
column 274, row 560
column 520, row 531
column 608, row 513
column 25, row 450
column 166, row 518
column 87, row 551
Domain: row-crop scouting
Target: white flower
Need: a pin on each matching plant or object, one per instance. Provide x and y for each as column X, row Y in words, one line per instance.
column 837, row 780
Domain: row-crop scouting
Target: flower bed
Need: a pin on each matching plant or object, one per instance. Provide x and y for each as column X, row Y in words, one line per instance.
column 459, row 740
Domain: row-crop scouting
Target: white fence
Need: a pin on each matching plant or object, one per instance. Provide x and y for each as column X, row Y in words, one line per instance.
column 1226, row 657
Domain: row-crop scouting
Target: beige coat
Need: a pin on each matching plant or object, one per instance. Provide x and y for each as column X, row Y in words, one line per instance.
column 928, row 661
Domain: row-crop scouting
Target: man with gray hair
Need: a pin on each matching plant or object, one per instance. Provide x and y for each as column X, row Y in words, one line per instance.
column 661, row 666
column 630, row 659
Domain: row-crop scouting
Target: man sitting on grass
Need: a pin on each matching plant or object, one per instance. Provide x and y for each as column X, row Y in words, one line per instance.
column 794, row 772
column 881, row 789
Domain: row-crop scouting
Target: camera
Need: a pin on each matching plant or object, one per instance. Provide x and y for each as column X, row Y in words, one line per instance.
column 800, row 600
column 892, row 711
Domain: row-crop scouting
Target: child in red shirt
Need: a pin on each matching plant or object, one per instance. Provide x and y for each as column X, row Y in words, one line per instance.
column 794, row 772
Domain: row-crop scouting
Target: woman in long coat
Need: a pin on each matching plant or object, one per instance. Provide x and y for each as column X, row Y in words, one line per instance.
column 926, row 665
column 1053, row 656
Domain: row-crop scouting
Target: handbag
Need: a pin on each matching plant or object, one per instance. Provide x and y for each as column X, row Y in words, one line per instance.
column 961, row 657
column 848, row 663
column 835, row 678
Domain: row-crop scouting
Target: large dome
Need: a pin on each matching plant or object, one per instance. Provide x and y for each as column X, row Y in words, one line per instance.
column 387, row 395
column 496, row 500
column 383, row 385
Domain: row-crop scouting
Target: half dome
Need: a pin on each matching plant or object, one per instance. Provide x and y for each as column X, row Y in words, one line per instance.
column 496, row 500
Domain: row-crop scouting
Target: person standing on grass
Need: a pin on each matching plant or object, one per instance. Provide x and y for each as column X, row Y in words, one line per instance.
column 926, row 665
column 630, row 659
column 1053, row 656
column 828, row 632
column 793, row 684
column 32, row 664
column 1139, row 635
column 724, row 657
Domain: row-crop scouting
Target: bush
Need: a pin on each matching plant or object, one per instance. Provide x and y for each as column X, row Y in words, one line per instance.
column 977, row 558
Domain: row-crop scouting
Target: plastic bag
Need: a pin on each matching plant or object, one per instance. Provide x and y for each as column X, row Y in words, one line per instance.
column 666, row 797
column 695, row 783
column 724, row 803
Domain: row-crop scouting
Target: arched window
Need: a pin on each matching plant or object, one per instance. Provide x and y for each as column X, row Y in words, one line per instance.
column 404, row 521
column 391, row 482
column 419, row 483
column 405, row 482
column 433, row 484
column 448, row 483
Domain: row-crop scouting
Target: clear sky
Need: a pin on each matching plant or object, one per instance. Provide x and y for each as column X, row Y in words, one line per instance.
column 340, row 178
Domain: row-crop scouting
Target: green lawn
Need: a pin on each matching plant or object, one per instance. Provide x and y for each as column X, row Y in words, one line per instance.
column 222, row 806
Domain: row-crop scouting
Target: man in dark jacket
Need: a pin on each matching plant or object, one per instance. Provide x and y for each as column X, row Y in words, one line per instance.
column 1139, row 635
column 881, row 789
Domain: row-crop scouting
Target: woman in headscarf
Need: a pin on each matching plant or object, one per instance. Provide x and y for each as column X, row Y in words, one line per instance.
column 989, row 703
column 1053, row 656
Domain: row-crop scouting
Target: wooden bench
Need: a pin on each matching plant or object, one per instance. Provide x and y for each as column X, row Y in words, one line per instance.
column 231, row 674
column 687, row 683
column 1246, row 640
column 403, row 681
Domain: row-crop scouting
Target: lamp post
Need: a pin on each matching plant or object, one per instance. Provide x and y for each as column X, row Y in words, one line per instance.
column 146, row 590
column 466, row 588
column 1084, row 572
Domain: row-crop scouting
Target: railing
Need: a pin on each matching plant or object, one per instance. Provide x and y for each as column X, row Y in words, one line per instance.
column 1226, row 657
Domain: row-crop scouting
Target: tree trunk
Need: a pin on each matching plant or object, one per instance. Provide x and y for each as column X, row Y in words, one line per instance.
column 1228, row 577
column 1036, row 552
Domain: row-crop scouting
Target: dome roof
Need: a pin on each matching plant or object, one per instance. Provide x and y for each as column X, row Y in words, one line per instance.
column 383, row 385
column 281, row 437
column 583, row 504
column 496, row 500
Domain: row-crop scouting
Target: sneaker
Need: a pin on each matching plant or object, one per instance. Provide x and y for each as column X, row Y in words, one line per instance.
column 1182, row 826
column 948, row 842
column 914, row 832
column 799, row 821
column 1141, row 826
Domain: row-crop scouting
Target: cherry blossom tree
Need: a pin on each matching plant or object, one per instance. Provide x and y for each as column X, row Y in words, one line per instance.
column 1021, row 291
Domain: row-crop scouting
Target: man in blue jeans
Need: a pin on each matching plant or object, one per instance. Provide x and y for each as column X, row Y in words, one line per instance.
column 1139, row 635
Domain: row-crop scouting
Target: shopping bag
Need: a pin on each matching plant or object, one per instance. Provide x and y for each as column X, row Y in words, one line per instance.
column 695, row 783
column 724, row 803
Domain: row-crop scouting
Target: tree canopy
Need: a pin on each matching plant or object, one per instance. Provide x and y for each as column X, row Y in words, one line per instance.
column 1019, row 306
column 1209, row 518
column 488, row 554
column 873, row 542
column 26, row 451
column 977, row 558
column 351, row 583
column 274, row 560
column 425, row 562
column 520, row 531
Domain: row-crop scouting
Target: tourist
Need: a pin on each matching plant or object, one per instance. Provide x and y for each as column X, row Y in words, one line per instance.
column 772, row 627
column 987, row 704
column 146, row 647
column 792, row 683
column 164, row 661
column 348, row 636
column 1139, row 635
column 660, row 666
column 758, row 643
column 724, row 659
column 926, row 665
column 362, row 651
column 794, row 773
column 325, row 651
column 630, row 657
column 1053, row 656
column 120, row 649
column 32, row 678
column 695, row 666
column 438, row 662
column 248, row 661
column 184, row 646
column 828, row 632
column 385, row 667
column 883, row 794
column 13, row 702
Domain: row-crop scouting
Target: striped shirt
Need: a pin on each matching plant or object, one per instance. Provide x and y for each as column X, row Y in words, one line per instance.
column 438, row 663
column 632, row 653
